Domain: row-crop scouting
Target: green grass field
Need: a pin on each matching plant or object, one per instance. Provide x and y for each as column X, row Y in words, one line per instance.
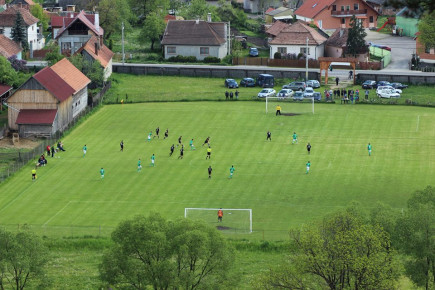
column 69, row 198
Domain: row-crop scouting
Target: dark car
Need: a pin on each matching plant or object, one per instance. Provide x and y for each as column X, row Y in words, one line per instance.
column 230, row 83
column 265, row 81
column 253, row 51
column 383, row 83
column 247, row 82
column 295, row 86
column 369, row 85
column 317, row 96
column 399, row 86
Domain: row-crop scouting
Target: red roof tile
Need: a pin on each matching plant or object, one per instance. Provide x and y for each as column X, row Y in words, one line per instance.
column 8, row 47
column 85, row 20
column 4, row 89
column 70, row 74
column 297, row 33
column 104, row 53
column 40, row 116
column 7, row 17
column 311, row 8
column 50, row 80
column 269, row 10
column 276, row 28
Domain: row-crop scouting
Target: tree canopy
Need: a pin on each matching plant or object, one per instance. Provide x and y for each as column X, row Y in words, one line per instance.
column 150, row 251
column 416, row 6
column 7, row 74
column 19, row 31
column 355, row 40
column 38, row 12
column 152, row 29
column 112, row 14
column 426, row 27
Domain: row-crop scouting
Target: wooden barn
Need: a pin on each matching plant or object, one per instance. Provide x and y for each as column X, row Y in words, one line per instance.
column 48, row 101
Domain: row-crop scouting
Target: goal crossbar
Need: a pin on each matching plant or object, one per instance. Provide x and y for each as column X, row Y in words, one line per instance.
column 290, row 100
column 223, row 209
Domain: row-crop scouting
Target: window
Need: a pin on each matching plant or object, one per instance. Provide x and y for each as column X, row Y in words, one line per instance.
column 282, row 50
column 2, row 31
column 356, row 6
column 304, row 50
column 320, row 24
column 343, row 20
column 342, row 8
column 347, row 8
column 171, row 50
column 334, row 7
column 371, row 19
column 204, row 50
column 66, row 45
column 427, row 49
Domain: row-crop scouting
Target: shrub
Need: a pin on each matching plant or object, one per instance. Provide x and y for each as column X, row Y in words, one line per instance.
column 228, row 59
column 180, row 58
column 18, row 64
column 277, row 55
column 212, row 59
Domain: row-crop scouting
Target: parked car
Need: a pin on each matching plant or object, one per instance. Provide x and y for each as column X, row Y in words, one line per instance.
column 317, row 96
column 285, row 93
column 369, row 84
column 266, row 93
column 247, row 82
column 253, row 51
column 265, row 81
column 295, row 86
column 308, row 93
column 399, row 86
column 231, row 84
column 387, row 93
column 298, row 96
column 313, row 83
column 399, row 91
column 382, row 83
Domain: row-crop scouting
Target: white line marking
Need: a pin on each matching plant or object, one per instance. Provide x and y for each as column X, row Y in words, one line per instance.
column 418, row 122
column 61, row 210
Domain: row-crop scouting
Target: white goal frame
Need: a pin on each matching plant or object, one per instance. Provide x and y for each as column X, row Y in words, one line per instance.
column 291, row 99
column 223, row 209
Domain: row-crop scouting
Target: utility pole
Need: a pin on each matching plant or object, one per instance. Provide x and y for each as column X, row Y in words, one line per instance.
column 229, row 37
column 306, row 62
column 123, row 54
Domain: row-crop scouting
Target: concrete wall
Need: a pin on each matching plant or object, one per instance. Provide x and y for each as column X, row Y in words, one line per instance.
column 415, row 79
column 187, row 50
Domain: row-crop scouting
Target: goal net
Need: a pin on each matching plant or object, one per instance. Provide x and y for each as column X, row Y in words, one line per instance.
column 289, row 106
column 234, row 220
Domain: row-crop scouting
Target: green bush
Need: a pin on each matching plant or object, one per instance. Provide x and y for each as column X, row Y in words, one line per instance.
column 277, row 55
column 228, row 59
column 180, row 58
column 212, row 59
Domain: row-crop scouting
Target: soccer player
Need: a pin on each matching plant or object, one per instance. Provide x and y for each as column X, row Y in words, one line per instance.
column 172, row 150
column 209, row 171
column 192, row 147
column 308, row 166
column 220, row 215
column 102, row 173
column 308, row 148
column 208, row 153
column 181, row 152
column 269, row 136
column 122, row 145
column 295, row 138
column 278, row 110
column 179, row 140
column 232, row 169
column 84, row 150
column 153, row 159
column 369, row 148
column 139, row 165
column 166, row 134
column 34, row 174
column 206, row 141
column 149, row 136
column 157, row 133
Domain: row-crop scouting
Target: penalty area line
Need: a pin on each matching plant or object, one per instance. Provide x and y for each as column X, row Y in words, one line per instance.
column 56, row 214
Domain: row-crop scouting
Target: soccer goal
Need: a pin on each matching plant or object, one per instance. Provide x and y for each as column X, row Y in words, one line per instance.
column 235, row 220
column 290, row 106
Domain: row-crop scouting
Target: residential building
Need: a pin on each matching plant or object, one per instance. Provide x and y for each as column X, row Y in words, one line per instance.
column 281, row 13
column 7, row 21
column 22, row 3
column 75, row 32
column 49, row 100
column 426, row 54
column 9, row 48
column 2, row 5
column 336, row 44
column 293, row 40
column 195, row 38
column 274, row 29
column 335, row 14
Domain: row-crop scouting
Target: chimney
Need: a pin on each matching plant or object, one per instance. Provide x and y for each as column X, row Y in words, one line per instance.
column 97, row 21
column 101, row 41
column 96, row 48
column 209, row 17
column 341, row 32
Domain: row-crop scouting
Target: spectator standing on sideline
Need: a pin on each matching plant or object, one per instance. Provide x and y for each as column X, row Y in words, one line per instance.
column 53, row 151
column 237, row 94
column 226, row 95
column 48, row 150
column 350, row 74
column 337, row 80
column 231, row 95
column 367, row 94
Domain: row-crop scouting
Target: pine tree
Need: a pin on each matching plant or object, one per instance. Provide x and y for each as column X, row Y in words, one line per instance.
column 355, row 40
column 19, row 32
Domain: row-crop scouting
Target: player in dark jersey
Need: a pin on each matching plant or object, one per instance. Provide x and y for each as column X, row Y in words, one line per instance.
column 209, row 171
column 269, row 136
column 157, row 133
column 179, row 141
column 308, row 148
column 181, row 152
column 172, row 150
column 166, row 134
column 207, row 141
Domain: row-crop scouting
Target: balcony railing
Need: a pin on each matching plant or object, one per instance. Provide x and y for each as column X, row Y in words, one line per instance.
column 349, row 13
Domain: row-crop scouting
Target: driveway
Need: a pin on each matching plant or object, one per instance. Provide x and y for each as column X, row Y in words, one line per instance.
column 402, row 48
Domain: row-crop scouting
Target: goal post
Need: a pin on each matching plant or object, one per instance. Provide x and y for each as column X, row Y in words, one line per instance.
column 235, row 220
column 289, row 105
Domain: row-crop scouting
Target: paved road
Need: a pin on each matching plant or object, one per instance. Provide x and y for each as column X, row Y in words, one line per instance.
column 402, row 49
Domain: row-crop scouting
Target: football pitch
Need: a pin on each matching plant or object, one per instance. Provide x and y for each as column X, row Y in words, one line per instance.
column 270, row 176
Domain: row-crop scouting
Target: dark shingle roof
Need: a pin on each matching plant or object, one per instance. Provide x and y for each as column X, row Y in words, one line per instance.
column 338, row 38
column 192, row 32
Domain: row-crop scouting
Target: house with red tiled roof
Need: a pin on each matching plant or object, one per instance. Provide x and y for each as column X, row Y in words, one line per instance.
column 57, row 22
column 48, row 101
column 94, row 50
column 275, row 29
column 22, row 3
column 335, row 14
column 7, row 21
column 293, row 40
column 9, row 48
column 75, row 32
column 195, row 38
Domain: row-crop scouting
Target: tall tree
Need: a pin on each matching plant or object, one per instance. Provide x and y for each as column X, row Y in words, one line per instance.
column 152, row 29
column 38, row 12
column 19, row 31
column 416, row 231
column 53, row 55
column 196, row 9
column 355, row 40
column 426, row 27
column 141, row 8
column 150, row 251
column 7, row 74
column 112, row 13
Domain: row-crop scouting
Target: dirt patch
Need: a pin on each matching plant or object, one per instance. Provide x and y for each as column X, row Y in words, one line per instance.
column 24, row 143
column 222, row 228
column 290, row 114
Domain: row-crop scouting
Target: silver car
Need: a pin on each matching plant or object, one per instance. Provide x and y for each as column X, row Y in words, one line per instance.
column 285, row 93
column 313, row 84
column 266, row 93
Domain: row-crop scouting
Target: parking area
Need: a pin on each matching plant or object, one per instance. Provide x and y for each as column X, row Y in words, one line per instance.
column 402, row 48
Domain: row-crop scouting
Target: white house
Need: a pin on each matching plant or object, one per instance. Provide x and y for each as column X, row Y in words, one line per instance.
column 195, row 38
column 7, row 21
column 293, row 40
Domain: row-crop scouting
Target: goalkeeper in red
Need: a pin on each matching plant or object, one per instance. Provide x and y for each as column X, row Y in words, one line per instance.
column 220, row 215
